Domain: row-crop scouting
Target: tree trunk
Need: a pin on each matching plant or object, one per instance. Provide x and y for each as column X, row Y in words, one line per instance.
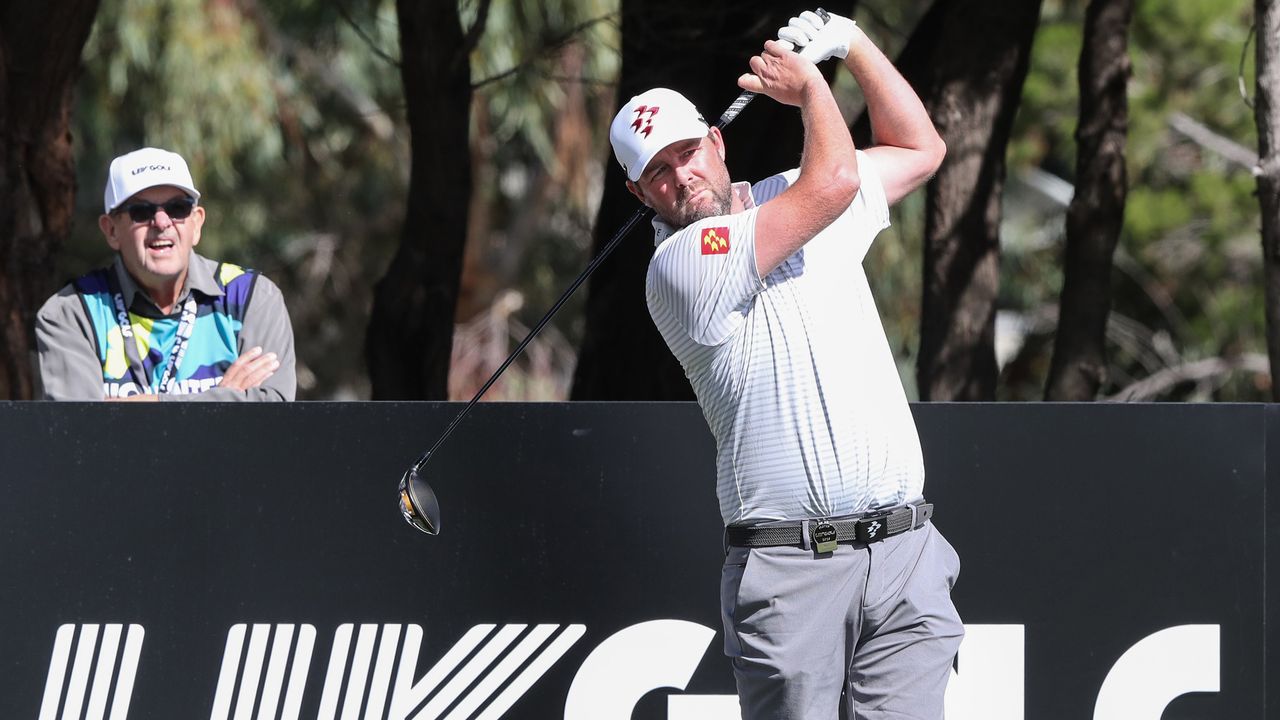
column 40, row 45
column 1096, row 213
column 1267, row 112
column 699, row 49
column 968, row 59
column 410, row 335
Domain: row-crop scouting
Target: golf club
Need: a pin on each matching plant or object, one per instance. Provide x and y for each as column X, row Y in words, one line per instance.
column 418, row 501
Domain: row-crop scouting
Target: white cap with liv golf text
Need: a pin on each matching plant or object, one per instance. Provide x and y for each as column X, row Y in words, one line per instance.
column 134, row 172
column 648, row 123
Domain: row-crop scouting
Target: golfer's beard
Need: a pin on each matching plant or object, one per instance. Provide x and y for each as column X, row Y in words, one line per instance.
column 718, row 202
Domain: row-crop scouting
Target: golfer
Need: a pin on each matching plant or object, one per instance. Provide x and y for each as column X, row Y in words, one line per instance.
column 835, row 591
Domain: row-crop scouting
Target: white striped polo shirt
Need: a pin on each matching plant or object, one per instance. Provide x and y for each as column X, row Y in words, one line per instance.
column 793, row 372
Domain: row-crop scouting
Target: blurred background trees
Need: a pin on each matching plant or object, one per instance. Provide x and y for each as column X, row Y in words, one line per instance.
column 37, row 183
column 1187, row 305
column 292, row 118
column 295, row 120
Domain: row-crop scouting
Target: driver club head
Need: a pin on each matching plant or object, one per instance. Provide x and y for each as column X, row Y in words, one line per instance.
column 418, row 503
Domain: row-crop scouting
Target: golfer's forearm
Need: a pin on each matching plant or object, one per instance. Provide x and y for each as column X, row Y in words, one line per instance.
column 898, row 118
column 829, row 165
column 827, row 183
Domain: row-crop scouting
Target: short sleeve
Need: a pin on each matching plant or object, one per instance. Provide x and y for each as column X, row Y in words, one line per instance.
column 703, row 279
column 869, row 210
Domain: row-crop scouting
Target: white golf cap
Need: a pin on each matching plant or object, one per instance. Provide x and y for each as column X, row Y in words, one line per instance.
column 134, row 172
column 648, row 123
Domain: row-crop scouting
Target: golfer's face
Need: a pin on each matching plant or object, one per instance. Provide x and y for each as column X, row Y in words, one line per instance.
column 687, row 181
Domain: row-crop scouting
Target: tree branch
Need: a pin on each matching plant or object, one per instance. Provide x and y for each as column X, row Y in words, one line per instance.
column 1161, row 381
column 368, row 40
column 1200, row 134
column 472, row 37
column 277, row 43
column 553, row 45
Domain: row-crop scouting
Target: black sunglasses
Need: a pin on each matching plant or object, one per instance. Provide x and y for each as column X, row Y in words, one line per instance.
column 145, row 212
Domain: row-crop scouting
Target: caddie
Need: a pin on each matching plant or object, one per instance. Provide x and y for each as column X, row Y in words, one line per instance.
column 162, row 322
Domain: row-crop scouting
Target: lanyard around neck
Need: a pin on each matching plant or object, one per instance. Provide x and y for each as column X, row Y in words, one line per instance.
column 186, row 324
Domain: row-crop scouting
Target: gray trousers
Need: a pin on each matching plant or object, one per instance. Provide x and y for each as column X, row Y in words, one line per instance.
column 866, row 632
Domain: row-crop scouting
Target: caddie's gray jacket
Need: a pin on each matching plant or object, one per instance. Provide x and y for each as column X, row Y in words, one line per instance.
column 68, row 358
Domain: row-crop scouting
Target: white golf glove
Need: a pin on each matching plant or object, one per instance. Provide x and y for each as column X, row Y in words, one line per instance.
column 817, row 39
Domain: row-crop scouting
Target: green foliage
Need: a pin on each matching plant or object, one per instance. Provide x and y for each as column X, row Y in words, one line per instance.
column 544, row 74
column 206, row 67
column 1046, row 125
column 291, row 124
column 1187, row 284
column 893, row 267
column 518, row 65
column 1188, row 267
column 291, row 115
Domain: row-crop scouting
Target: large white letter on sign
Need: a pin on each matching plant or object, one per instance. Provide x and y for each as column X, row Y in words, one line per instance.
column 1162, row 666
column 630, row 663
column 988, row 682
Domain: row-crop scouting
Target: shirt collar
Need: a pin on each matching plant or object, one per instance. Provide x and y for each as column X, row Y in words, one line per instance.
column 662, row 230
column 200, row 277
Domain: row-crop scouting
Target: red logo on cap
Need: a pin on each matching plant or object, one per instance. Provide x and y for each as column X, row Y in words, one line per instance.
column 715, row 241
column 644, row 125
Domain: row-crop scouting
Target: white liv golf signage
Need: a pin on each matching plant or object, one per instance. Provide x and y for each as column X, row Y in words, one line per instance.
column 371, row 672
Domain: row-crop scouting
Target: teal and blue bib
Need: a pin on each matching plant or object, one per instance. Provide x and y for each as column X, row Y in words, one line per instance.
column 210, row 351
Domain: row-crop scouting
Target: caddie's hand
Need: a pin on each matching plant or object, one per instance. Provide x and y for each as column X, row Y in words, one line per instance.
column 250, row 370
column 818, row 39
column 781, row 74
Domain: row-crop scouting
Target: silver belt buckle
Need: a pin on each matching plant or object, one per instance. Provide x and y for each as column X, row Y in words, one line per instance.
column 823, row 536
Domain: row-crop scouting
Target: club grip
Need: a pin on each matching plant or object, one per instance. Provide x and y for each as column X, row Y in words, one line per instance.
column 747, row 96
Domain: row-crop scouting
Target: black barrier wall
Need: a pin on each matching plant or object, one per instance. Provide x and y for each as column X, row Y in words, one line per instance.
column 250, row 561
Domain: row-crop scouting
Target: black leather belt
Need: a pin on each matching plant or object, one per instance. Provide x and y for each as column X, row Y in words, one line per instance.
column 825, row 534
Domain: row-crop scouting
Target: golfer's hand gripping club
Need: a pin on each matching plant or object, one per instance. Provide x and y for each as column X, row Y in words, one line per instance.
column 418, row 502
column 818, row 35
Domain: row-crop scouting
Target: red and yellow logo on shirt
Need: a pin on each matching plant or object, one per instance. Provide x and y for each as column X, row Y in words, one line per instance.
column 715, row 241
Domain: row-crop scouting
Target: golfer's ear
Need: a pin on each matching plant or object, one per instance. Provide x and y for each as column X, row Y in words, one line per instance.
column 635, row 190
column 717, row 139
